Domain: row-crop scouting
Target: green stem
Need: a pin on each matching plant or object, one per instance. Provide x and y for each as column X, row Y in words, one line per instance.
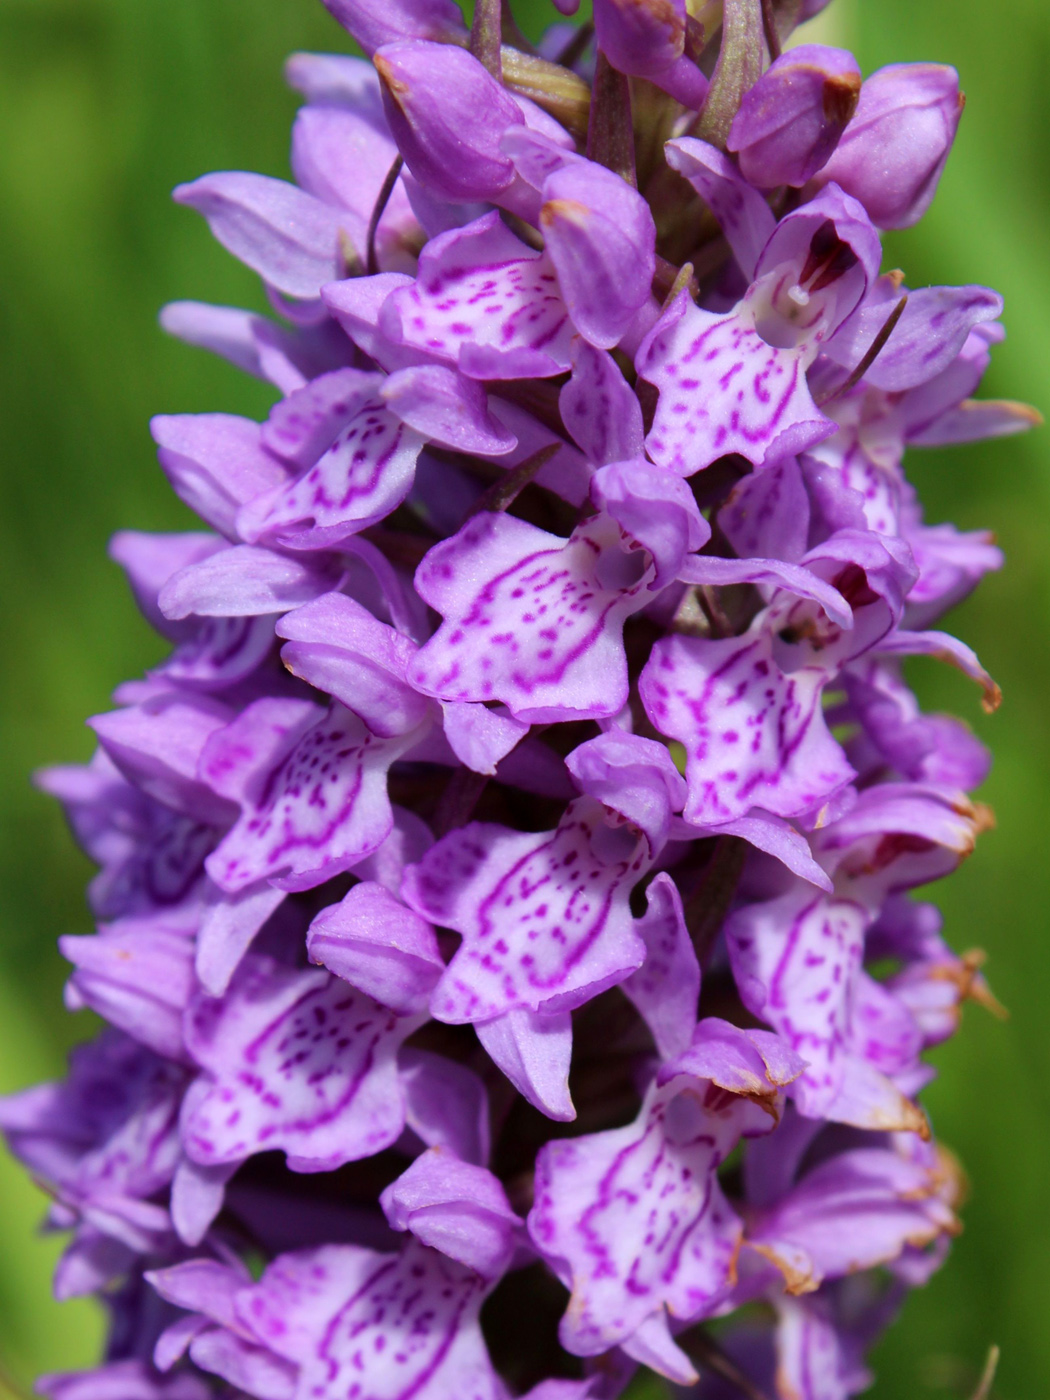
column 486, row 35
column 706, row 908
column 610, row 130
column 738, row 68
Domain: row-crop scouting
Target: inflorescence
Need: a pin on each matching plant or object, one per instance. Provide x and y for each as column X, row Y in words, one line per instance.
column 505, row 928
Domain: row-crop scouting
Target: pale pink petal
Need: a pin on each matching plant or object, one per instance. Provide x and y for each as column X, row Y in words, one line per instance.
column 754, row 736
column 446, row 1104
column 545, row 918
column 534, row 1051
column 666, row 988
column 295, row 1061
column 723, row 389
column 530, row 618
column 286, row 235
column 379, row 946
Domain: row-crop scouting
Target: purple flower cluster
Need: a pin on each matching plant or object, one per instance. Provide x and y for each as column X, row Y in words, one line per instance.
column 504, row 919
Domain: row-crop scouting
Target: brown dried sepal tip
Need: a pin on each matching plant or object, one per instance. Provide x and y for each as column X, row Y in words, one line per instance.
column 970, row 984
column 797, row 1281
column 839, row 97
column 951, row 1182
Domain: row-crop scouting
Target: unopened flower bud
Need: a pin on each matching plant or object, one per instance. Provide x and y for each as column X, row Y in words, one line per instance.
column 893, row 151
column 646, row 39
column 447, row 114
column 600, row 236
column 790, row 122
column 376, row 22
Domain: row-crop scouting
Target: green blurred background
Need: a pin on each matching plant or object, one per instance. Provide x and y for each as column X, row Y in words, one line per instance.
column 104, row 106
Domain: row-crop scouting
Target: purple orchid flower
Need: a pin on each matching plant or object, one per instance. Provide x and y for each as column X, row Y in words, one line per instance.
column 798, row 958
column 649, row 41
column 790, row 122
column 737, row 382
column 912, row 109
column 628, row 1283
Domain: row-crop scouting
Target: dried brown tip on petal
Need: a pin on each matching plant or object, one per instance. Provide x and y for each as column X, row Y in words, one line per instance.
column 796, row 1281
column 570, row 210
column 950, row 1180
column 992, row 695
column 992, row 698
column 1026, row 411
column 909, row 1118
column 973, row 986
column 388, row 77
column 839, row 96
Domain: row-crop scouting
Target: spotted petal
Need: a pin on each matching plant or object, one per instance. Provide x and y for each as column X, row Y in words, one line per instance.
column 304, row 424
column 312, row 788
column 755, row 736
column 485, row 302
column 723, row 389
column 296, row 1061
column 600, row 409
column 635, row 1223
column 391, row 1324
column 530, row 618
column 796, row 960
column 545, row 917
column 362, row 476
